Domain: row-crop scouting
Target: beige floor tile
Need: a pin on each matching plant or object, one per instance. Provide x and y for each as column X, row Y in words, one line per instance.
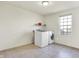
column 32, row 51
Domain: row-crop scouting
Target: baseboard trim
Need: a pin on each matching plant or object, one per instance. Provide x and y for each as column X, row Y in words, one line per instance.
column 66, row 45
column 16, row 47
column 33, row 43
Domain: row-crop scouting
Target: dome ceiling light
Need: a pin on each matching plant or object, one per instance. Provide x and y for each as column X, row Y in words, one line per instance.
column 45, row 3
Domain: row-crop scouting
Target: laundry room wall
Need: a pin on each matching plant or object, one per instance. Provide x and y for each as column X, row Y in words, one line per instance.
column 16, row 26
column 52, row 21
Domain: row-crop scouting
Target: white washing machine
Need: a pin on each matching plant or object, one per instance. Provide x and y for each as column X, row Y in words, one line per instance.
column 43, row 38
column 51, row 37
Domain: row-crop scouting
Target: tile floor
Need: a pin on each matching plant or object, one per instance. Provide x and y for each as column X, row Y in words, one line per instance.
column 32, row 51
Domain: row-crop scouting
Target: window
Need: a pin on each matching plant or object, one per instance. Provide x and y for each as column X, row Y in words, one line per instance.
column 66, row 24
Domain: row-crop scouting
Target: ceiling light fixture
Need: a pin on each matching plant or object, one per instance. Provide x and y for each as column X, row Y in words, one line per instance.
column 45, row 3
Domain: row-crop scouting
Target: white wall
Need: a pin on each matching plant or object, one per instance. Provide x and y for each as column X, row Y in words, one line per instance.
column 16, row 26
column 52, row 22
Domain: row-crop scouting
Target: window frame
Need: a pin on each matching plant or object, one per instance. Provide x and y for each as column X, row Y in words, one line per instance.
column 62, row 26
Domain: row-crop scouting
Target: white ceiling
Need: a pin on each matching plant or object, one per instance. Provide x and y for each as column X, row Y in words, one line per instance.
column 35, row 6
